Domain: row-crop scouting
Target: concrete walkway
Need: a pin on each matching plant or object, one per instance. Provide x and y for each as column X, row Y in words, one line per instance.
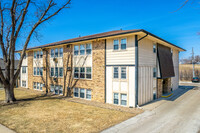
column 179, row 113
column 4, row 129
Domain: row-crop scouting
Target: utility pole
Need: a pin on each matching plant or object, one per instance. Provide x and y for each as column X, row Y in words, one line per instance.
column 193, row 61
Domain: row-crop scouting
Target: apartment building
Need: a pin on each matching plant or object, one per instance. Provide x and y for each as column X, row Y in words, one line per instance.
column 123, row 67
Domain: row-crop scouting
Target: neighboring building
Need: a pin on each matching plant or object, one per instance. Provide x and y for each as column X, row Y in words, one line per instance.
column 124, row 67
column 2, row 65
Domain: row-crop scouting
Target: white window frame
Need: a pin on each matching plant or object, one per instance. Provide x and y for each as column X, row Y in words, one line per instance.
column 23, row 83
column 77, row 92
column 90, row 94
column 53, row 55
column 123, row 100
column 123, row 44
column 80, row 93
column 115, row 44
column 154, row 48
column 123, row 72
column 115, row 72
column 115, row 99
column 23, row 69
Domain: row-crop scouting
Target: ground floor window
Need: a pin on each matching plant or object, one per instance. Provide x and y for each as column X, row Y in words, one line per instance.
column 116, row 98
column 23, row 83
column 83, row 93
column 120, row 97
column 56, row 89
column 37, row 86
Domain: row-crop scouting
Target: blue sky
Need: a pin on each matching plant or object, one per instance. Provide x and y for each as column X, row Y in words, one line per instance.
column 87, row 17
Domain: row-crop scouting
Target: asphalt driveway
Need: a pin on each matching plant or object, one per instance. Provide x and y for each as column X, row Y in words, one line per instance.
column 179, row 113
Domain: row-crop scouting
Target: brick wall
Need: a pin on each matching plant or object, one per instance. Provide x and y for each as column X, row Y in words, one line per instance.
column 96, row 84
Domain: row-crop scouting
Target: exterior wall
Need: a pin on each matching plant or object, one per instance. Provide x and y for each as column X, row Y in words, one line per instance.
column 167, row 85
column 97, row 83
column 160, row 87
column 120, row 57
column 175, row 80
column 146, row 81
column 24, row 76
column 121, row 86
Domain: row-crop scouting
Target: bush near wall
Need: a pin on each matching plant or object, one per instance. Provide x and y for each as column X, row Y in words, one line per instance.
column 186, row 71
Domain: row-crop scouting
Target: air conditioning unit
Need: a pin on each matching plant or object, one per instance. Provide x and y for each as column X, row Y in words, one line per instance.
column 55, row 79
column 55, row 59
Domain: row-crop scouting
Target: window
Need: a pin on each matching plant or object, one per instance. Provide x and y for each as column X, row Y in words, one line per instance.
column 38, row 54
column 25, row 56
column 123, row 43
column 56, row 89
column 41, row 54
column 82, row 72
column 76, row 92
column 56, row 52
column 61, row 52
column 76, row 49
column 88, row 73
column 23, row 83
column 116, row 44
column 23, row 69
column 82, row 93
column 60, row 72
column 88, row 49
column 154, row 48
column 35, row 54
column 34, row 85
column 76, row 72
column 41, row 71
column 123, row 72
column 52, row 71
column 52, row 88
column 116, row 72
column 38, row 71
column 123, row 99
column 154, row 72
column 41, row 85
column 116, row 98
column 88, row 94
column 52, row 53
column 60, row 90
column 56, row 71
column 82, row 49
column 35, row 71
column 38, row 86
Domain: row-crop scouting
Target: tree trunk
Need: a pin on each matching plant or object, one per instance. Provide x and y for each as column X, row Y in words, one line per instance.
column 9, row 95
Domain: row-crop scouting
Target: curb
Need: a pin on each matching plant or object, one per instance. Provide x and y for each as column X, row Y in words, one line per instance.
column 168, row 95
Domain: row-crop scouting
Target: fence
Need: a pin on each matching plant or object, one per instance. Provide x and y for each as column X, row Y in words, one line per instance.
column 186, row 71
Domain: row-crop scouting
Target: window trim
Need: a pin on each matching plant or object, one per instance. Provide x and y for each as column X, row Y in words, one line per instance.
column 123, row 73
column 54, row 52
column 115, row 44
column 117, row 72
column 123, row 44
column 85, row 49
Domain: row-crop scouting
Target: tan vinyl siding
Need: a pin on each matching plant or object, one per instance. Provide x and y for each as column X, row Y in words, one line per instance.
column 175, row 80
column 121, row 56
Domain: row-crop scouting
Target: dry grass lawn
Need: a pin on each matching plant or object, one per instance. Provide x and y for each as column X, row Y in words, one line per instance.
column 53, row 115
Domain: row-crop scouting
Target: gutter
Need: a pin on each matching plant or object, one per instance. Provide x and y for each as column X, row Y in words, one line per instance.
column 137, row 66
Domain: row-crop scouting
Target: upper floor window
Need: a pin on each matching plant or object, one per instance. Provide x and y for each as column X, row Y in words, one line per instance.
column 38, row 71
column 116, row 44
column 38, row 54
column 76, row 49
column 83, row 72
column 82, row 49
column 57, row 52
column 61, row 52
column 154, row 72
column 23, row 69
column 52, row 52
column 88, row 48
column 57, row 72
column 123, row 43
column 88, row 72
column 116, row 73
column 154, row 48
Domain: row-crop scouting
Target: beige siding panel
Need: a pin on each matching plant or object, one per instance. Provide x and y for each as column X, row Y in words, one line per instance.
column 175, row 80
column 132, row 86
column 116, row 86
column 59, row 62
column 85, row 61
column 146, row 55
column 145, row 85
column 109, row 85
column 124, row 86
column 120, row 57
column 38, row 62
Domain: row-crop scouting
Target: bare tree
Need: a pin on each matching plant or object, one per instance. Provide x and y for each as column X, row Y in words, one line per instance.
column 21, row 18
column 189, row 60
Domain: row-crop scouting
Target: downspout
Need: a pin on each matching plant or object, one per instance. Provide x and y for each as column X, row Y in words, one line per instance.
column 136, row 67
column 105, row 71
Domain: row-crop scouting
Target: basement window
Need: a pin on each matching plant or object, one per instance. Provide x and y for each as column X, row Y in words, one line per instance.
column 88, row 94
column 76, row 92
column 116, row 98
column 82, row 93
column 123, row 99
